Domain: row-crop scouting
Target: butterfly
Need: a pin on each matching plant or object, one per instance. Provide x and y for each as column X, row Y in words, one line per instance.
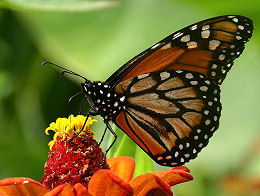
column 167, row 98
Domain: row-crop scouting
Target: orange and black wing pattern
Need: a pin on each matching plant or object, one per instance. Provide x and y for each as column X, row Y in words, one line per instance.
column 171, row 91
column 208, row 47
column 170, row 114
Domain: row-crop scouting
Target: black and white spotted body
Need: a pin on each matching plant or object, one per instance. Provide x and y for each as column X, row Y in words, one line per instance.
column 107, row 103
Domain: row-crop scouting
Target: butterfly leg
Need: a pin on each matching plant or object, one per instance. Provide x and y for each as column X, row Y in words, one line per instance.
column 102, row 138
column 115, row 137
column 82, row 105
column 90, row 113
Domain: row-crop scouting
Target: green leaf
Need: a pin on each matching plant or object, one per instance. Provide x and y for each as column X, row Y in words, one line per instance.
column 143, row 163
column 56, row 5
column 126, row 148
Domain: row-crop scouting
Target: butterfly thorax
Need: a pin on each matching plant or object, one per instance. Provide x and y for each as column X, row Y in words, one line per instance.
column 106, row 101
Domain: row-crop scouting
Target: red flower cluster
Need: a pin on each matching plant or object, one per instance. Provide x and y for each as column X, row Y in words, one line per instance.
column 72, row 162
column 75, row 169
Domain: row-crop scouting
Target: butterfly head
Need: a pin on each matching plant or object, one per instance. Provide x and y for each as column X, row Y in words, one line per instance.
column 107, row 103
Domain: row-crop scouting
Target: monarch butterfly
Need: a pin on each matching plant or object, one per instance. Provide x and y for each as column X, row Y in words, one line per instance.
column 167, row 98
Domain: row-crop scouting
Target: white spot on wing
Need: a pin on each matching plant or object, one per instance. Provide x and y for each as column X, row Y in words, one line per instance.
column 214, row 66
column 205, row 34
column 241, row 27
column 166, row 46
column 213, row 74
column 155, row 46
column 203, row 88
column 235, row 19
column 207, row 122
column 122, row 98
column 221, row 57
column 194, row 27
column 189, row 75
column 213, row 44
column 177, row 35
column 143, row 76
column 164, row 75
column 185, row 38
column 194, row 82
column 206, row 112
column 238, row 37
column 205, row 27
column 192, row 44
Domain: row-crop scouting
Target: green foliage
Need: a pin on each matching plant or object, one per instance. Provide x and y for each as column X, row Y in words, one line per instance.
column 56, row 5
column 95, row 44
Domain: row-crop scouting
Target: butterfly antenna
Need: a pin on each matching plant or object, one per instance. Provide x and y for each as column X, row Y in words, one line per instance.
column 66, row 70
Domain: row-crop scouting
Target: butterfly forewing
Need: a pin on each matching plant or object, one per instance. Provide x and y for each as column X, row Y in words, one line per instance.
column 208, row 47
column 170, row 114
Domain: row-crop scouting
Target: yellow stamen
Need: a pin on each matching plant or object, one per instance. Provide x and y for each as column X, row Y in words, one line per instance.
column 68, row 127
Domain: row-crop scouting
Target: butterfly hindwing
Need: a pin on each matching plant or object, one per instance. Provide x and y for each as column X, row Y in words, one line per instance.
column 208, row 47
column 170, row 114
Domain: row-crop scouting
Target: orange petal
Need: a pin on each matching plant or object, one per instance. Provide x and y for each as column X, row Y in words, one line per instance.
column 107, row 183
column 150, row 184
column 21, row 186
column 81, row 190
column 175, row 175
column 123, row 166
column 62, row 190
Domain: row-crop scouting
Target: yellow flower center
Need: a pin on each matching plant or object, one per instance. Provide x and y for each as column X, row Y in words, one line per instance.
column 68, row 127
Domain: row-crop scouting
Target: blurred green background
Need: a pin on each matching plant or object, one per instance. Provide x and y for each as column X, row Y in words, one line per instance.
column 95, row 38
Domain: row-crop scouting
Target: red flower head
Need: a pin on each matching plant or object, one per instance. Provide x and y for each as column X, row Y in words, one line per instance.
column 76, row 168
column 72, row 161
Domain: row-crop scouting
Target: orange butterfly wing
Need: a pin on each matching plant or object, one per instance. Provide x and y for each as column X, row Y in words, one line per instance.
column 170, row 114
column 208, row 47
column 171, row 90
